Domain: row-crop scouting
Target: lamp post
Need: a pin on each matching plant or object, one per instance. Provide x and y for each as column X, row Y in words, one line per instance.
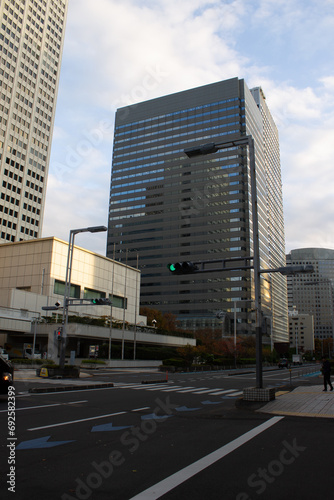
column 248, row 141
column 213, row 148
column 73, row 232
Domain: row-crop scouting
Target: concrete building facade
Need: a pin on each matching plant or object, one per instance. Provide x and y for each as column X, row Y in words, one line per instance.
column 167, row 208
column 32, row 275
column 31, row 42
column 313, row 294
column 301, row 331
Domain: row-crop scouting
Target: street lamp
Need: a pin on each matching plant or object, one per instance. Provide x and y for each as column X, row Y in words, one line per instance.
column 213, row 148
column 73, row 232
column 248, row 141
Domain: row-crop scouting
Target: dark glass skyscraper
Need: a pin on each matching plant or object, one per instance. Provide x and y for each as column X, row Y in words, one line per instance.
column 166, row 207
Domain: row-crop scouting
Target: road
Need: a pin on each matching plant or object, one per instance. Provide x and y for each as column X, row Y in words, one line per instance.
column 177, row 440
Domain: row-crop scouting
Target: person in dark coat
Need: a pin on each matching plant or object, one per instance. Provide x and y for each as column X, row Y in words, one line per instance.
column 326, row 371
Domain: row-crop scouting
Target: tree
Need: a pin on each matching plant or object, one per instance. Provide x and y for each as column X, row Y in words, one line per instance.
column 187, row 353
column 164, row 321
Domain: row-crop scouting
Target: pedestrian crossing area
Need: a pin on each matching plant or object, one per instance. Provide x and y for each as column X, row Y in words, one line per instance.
column 167, row 387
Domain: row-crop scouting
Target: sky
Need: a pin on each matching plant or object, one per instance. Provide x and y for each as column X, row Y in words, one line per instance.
column 120, row 53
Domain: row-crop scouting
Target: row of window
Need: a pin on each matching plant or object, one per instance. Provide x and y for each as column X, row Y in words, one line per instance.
column 7, row 237
column 173, row 127
column 163, row 140
column 8, row 211
column 89, row 293
column 179, row 113
column 175, row 151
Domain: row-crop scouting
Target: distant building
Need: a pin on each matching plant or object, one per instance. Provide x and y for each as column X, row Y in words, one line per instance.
column 31, row 39
column 301, row 331
column 169, row 208
column 313, row 293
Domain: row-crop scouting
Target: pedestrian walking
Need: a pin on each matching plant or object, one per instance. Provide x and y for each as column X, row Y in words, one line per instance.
column 326, row 371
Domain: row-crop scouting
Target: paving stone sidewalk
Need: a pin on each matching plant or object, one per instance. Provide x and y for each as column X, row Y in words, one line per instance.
column 304, row 401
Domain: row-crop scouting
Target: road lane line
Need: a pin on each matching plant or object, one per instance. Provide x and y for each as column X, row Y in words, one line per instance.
column 76, row 421
column 33, row 407
column 46, row 406
column 141, row 409
column 171, row 482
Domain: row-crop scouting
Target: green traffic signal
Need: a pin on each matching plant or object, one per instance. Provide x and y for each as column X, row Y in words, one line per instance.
column 101, row 302
column 182, row 268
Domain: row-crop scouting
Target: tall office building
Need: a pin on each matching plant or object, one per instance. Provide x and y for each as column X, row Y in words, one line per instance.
column 166, row 207
column 313, row 293
column 31, row 43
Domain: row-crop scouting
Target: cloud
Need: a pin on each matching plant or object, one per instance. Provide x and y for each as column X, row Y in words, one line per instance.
column 118, row 53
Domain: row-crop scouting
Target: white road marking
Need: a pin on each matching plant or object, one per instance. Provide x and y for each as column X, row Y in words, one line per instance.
column 171, row 482
column 76, row 421
column 222, row 392
column 204, row 391
column 46, row 406
column 193, row 389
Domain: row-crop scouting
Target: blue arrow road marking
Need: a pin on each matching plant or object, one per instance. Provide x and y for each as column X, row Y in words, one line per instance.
column 210, row 402
column 154, row 416
column 108, row 427
column 185, row 408
column 40, row 443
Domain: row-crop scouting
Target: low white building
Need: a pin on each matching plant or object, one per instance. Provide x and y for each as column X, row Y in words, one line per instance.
column 301, row 331
column 32, row 276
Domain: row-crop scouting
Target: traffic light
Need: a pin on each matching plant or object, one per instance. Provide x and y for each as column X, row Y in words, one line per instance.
column 182, row 268
column 59, row 333
column 101, row 302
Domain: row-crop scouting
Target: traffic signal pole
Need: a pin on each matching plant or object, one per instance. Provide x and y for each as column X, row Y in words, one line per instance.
column 210, row 148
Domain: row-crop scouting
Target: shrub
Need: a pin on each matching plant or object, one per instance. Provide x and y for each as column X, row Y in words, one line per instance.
column 93, row 361
column 23, row 361
column 174, row 362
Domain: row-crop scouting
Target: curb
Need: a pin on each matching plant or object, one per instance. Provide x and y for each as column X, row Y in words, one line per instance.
column 64, row 388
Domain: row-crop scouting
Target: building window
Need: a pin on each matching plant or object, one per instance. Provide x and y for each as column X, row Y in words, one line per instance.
column 118, row 301
column 59, row 289
column 89, row 293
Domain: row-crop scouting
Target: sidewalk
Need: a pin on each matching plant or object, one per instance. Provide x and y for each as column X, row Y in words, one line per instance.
column 40, row 384
column 304, row 401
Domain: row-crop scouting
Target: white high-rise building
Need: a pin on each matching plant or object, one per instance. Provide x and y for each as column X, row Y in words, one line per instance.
column 31, row 44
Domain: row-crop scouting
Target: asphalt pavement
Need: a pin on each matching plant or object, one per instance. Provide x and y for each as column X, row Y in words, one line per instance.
column 303, row 401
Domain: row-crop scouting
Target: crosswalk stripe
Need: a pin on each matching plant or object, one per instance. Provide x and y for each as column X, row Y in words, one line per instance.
column 178, row 388
column 194, row 388
column 203, row 392
column 222, row 392
column 164, row 388
column 148, row 387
